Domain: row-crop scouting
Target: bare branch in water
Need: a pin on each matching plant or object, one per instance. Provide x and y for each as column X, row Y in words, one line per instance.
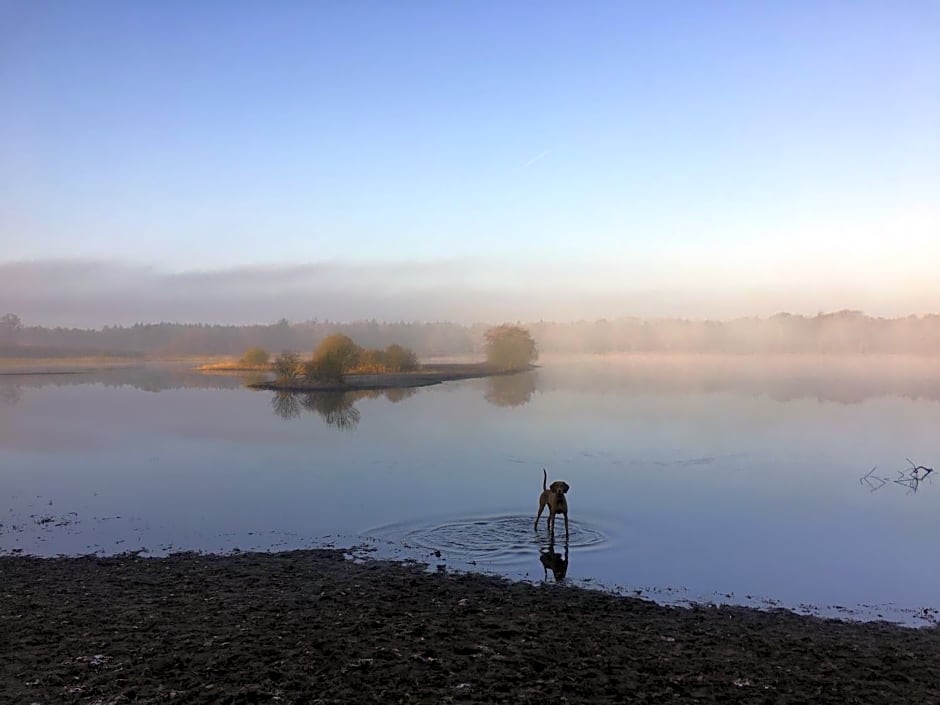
column 870, row 479
column 916, row 468
column 907, row 478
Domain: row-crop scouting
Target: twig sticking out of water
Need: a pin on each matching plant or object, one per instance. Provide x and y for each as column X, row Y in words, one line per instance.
column 916, row 468
column 908, row 478
column 871, row 479
column 913, row 477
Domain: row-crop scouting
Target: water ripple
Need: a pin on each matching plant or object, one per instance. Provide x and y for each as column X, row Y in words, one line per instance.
column 492, row 540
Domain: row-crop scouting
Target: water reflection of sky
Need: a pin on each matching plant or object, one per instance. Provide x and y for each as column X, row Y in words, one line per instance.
column 696, row 481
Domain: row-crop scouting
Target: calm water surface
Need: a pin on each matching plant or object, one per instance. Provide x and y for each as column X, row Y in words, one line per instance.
column 743, row 480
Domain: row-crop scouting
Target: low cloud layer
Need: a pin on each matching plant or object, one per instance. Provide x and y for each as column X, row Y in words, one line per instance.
column 85, row 293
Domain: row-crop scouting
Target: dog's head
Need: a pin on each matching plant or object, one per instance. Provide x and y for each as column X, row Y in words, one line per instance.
column 559, row 487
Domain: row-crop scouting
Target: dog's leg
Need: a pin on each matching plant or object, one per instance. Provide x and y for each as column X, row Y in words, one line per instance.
column 538, row 516
column 566, row 526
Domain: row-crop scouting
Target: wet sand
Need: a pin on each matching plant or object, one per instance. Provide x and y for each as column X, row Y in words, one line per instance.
column 313, row 627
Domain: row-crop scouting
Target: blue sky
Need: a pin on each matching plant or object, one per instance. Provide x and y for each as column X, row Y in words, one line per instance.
column 674, row 158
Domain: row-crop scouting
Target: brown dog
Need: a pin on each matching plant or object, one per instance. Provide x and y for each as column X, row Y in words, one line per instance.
column 553, row 496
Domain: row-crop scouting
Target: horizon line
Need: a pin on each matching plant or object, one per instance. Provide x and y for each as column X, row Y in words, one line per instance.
column 856, row 313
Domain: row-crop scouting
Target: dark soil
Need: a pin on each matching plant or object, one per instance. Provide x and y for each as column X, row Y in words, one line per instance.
column 313, row 627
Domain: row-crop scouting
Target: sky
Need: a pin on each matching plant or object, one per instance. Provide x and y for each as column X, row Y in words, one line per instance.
column 241, row 162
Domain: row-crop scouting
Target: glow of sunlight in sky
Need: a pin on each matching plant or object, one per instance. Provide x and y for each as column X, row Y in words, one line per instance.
column 246, row 161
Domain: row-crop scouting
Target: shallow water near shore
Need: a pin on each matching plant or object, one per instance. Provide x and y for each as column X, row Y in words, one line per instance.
column 744, row 480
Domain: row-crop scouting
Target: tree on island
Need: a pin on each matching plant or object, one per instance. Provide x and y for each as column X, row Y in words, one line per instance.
column 287, row 367
column 338, row 355
column 334, row 357
column 400, row 359
column 509, row 347
column 395, row 358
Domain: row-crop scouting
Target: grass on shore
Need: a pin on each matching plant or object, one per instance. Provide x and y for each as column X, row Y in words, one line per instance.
column 234, row 366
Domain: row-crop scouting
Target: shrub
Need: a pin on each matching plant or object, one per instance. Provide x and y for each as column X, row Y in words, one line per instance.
column 400, row 359
column 335, row 356
column 287, row 367
column 372, row 361
column 255, row 357
column 509, row 348
column 326, row 369
column 340, row 347
column 395, row 358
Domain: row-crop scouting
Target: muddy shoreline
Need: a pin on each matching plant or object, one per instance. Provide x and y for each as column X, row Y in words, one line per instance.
column 314, row 627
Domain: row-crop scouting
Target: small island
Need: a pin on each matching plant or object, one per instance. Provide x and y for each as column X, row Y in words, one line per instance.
column 338, row 364
column 424, row 376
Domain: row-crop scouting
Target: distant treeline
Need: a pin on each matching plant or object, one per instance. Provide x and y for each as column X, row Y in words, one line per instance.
column 208, row 339
column 841, row 332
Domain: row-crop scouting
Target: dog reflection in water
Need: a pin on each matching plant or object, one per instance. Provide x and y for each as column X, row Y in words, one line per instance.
column 553, row 561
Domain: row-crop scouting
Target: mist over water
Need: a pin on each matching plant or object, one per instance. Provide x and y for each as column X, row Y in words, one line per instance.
column 759, row 480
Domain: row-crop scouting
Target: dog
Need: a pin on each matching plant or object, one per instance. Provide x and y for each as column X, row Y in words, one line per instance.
column 555, row 562
column 553, row 496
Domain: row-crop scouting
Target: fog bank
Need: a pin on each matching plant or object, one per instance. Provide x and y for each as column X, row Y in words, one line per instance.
column 95, row 293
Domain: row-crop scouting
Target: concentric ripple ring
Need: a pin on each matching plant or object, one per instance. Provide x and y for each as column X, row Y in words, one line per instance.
column 492, row 540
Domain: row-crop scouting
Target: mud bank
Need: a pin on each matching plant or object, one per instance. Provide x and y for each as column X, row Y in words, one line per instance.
column 314, row 627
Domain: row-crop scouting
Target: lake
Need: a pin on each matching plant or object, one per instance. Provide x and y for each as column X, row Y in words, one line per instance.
column 763, row 481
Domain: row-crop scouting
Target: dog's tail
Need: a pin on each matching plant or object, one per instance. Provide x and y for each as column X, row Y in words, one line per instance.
column 544, row 479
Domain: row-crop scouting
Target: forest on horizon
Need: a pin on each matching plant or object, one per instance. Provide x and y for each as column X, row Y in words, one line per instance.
column 839, row 332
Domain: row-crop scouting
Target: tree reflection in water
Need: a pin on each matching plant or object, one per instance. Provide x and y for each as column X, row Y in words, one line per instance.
column 510, row 390
column 285, row 405
column 336, row 408
column 397, row 395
